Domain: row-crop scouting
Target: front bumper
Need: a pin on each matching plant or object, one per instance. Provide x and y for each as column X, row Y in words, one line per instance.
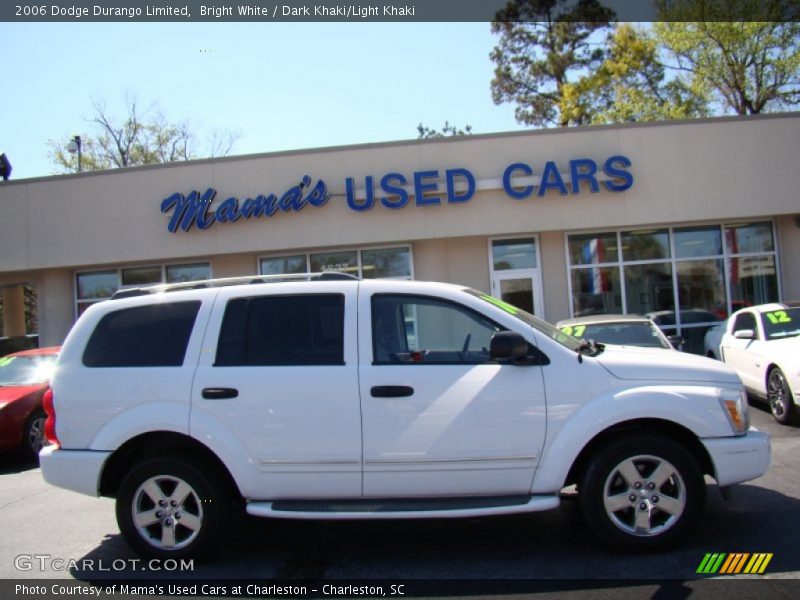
column 76, row 470
column 740, row 458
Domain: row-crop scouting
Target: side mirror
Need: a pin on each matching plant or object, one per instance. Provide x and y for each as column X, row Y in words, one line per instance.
column 745, row 334
column 508, row 345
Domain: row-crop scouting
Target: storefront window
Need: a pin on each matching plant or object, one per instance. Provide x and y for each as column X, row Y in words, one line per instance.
column 282, row 265
column 593, row 249
column 753, row 280
column 386, row 262
column 141, row 276
column 370, row 263
column 744, row 238
column 596, row 291
column 685, row 293
column 692, row 242
column 183, row 273
column 648, row 288
column 344, row 262
column 98, row 285
column 645, row 245
column 514, row 254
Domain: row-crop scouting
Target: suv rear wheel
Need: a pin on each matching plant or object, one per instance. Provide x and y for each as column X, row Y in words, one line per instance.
column 642, row 493
column 172, row 508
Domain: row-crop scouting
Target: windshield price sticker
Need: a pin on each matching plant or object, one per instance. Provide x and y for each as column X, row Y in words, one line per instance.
column 778, row 316
column 576, row 331
column 6, row 360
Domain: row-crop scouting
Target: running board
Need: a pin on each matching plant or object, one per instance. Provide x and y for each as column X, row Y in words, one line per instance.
column 404, row 508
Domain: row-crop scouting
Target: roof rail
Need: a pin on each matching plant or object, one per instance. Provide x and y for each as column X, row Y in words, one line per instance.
column 225, row 281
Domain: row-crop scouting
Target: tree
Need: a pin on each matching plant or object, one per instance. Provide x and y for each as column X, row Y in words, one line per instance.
column 545, row 59
column 631, row 83
column 447, row 131
column 139, row 138
column 746, row 53
column 750, row 67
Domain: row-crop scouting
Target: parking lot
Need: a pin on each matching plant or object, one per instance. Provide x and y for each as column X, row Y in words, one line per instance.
column 52, row 533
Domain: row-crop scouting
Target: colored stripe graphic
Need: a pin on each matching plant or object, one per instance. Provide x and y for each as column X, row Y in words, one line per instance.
column 758, row 563
column 734, row 563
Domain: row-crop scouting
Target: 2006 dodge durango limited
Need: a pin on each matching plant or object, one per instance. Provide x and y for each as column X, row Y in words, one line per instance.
column 336, row 398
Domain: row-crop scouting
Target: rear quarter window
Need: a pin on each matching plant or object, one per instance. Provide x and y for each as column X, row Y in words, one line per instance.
column 155, row 335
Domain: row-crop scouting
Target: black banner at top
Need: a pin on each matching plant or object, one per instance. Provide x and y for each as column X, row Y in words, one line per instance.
column 392, row 10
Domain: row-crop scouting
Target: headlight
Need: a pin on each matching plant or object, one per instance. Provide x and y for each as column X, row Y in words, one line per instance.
column 734, row 405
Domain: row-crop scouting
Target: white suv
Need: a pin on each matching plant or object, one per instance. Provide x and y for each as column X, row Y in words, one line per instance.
column 334, row 398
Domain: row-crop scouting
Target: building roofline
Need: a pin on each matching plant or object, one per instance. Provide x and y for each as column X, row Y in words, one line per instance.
column 408, row 142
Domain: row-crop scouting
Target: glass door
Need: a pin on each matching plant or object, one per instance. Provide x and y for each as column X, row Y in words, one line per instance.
column 520, row 290
column 516, row 275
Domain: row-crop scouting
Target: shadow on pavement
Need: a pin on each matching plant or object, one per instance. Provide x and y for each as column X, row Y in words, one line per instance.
column 553, row 546
column 12, row 462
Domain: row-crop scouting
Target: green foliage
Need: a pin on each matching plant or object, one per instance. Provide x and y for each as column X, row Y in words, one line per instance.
column 446, row 131
column 139, row 138
column 631, row 83
column 748, row 67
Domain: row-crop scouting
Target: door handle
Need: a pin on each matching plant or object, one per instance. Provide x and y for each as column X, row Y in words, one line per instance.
column 220, row 393
column 391, row 391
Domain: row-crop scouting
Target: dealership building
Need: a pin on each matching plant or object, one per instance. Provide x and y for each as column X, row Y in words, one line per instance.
column 688, row 220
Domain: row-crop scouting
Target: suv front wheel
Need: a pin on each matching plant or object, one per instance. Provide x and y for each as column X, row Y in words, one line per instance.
column 171, row 508
column 642, row 493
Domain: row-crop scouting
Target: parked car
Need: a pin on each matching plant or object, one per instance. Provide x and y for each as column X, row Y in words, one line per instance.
column 622, row 330
column 762, row 344
column 336, row 398
column 713, row 339
column 694, row 324
column 23, row 381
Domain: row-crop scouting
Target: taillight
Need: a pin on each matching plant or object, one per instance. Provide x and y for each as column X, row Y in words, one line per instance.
column 50, row 423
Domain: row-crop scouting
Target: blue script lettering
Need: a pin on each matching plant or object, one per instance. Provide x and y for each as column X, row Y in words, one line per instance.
column 195, row 210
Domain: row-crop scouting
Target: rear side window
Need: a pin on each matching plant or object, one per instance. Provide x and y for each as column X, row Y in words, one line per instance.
column 282, row 331
column 145, row 336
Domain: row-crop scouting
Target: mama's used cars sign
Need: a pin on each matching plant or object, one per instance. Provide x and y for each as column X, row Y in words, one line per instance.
column 395, row 190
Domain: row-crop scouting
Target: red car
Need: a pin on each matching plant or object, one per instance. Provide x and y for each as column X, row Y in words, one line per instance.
column 23, row 381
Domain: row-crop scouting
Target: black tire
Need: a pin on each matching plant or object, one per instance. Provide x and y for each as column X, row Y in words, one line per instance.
column 33, row 439
column 780, row 398
column 642, row 515
column 189, row 527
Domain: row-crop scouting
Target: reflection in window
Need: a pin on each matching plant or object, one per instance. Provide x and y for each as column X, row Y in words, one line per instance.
column 649, row 288
column 93, row 286
column 283, row 265
column 514, row 254
column 650, row 244
column 701, row 288
column 141, row 276
column 596, row 291
column 193, row 272
column 753, row 280
column 386, row 262
column 592, row 249
column 749, row 237
column 343, row 262
column 691, row 242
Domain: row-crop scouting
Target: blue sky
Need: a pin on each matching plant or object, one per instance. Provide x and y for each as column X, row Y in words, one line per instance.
column 282, row 86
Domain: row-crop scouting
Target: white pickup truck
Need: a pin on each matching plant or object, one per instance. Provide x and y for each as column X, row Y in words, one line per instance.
column 334, row 398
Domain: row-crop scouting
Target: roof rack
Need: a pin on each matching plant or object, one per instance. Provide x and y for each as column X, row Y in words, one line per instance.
column 225, row 281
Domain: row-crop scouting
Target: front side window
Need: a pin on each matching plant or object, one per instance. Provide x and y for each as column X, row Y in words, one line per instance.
column 282, row 331
column 144, row 336
column 744, row 321
column 417, row 329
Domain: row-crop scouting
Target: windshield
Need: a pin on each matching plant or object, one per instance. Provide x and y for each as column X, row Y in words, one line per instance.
column 26, row 370
column 541, row 326
column 781, row 323
column 639, row 333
